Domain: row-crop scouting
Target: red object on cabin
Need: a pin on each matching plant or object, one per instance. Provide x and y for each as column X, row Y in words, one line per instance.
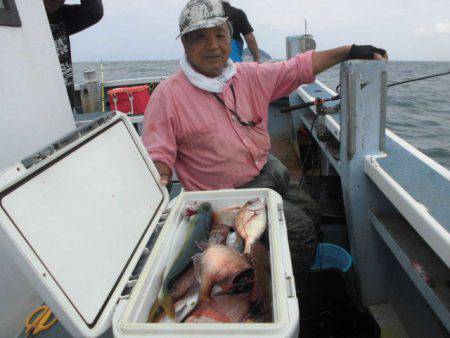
column 129, row 100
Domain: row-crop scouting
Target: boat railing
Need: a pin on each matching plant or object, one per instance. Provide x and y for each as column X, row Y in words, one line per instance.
column 396, row 198
column 129, row 82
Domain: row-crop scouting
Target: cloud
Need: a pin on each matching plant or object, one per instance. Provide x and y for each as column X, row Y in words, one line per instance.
column 442, row 27
column 146, row 30
column 437, row 29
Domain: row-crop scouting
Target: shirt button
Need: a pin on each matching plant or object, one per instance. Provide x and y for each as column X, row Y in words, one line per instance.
column 256, row 162
column 245, row 141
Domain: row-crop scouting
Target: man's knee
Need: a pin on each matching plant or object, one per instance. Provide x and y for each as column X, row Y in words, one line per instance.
column 278, row 172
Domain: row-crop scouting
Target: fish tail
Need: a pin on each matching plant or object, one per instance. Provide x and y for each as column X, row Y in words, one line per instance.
column 153, row 311
column 167, row 305
column 163, row 300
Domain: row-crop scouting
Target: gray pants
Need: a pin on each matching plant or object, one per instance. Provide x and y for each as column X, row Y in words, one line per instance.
column 302, row 213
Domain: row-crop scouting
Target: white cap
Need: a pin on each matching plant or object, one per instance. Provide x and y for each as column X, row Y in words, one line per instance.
column 198, row 14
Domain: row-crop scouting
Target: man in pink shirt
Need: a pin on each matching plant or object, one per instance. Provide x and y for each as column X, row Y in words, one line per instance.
column 209, row 120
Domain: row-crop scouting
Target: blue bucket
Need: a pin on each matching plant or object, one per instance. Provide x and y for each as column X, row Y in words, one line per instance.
column 332, row 256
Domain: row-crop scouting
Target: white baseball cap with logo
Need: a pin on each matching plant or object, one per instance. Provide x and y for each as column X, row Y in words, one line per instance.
column 198, row 14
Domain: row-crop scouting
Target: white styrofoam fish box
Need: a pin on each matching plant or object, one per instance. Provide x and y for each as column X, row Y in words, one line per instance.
column 132, row 322
column 77, row 216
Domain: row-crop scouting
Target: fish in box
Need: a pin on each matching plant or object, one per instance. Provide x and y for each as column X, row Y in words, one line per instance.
column 78, row 216
column 268, row 308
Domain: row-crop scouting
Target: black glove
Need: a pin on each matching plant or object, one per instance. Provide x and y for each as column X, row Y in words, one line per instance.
column 364, row 52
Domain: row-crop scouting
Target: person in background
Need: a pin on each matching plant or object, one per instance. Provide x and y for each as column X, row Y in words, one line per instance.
column 241, row 26
column 209, row 121
column 66, row 20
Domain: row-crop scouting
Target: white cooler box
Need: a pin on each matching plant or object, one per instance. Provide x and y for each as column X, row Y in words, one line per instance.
column 78, row 216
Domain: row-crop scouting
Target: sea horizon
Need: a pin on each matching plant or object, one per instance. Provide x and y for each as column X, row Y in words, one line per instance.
column 418, row 112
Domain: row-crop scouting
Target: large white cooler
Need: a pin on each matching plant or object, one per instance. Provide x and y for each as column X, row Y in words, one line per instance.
column 78, row 216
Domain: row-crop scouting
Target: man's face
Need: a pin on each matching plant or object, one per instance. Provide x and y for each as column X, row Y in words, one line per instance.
column 51, row 6
column 208, row 49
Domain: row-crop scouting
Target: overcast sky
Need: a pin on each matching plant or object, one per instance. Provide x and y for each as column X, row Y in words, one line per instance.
column 146, row 29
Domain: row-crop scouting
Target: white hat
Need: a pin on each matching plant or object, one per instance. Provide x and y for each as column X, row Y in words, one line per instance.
column 198, row 14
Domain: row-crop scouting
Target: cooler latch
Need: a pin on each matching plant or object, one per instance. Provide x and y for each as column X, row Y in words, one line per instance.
column 145, row 254
column 280, row 212
column 290, row 289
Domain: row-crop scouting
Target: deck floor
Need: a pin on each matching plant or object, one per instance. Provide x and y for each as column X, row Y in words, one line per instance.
column 388, row 320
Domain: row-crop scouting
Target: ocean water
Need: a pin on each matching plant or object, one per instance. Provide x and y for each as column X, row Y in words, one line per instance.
column 419, row 112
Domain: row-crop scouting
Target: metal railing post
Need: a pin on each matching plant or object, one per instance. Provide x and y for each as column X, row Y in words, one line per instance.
column 363, row 116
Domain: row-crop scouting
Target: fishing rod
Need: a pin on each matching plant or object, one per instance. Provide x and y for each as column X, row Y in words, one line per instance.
column 417, row 79
column 319, row 101
column 316, row 102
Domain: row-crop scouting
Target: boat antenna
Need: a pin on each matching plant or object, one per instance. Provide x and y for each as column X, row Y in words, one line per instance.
column 102, row 86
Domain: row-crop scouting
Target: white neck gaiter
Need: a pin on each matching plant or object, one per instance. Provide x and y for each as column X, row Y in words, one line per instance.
column 213, row 85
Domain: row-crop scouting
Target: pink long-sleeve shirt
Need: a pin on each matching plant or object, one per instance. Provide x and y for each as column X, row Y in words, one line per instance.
column 192, row 131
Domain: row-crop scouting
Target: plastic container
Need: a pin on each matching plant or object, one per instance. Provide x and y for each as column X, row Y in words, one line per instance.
column 129, row 100
column 329, row 307
column 79, row 220
column 332, row 256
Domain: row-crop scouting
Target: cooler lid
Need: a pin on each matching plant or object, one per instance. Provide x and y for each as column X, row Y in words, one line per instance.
column 79, row 220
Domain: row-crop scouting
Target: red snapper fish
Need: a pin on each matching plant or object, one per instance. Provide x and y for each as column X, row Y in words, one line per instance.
column 226, row 308
column 222, row 266
column 251, row 222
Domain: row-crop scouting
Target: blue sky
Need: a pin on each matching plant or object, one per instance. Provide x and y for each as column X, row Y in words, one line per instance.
column 146, row 29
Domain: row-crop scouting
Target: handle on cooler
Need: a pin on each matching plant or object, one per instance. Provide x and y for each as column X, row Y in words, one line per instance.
column 115, row 101
column 131, row 98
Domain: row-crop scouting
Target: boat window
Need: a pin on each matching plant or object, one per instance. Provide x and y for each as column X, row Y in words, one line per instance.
column 8, row 14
